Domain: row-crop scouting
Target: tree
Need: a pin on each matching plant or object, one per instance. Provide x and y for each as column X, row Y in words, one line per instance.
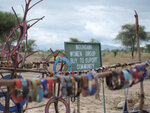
column 74, row 40
column 128, row 36
column 30, row 46
column 115, row 52
column 93, row 40
column 7, row 22
column 148, row 47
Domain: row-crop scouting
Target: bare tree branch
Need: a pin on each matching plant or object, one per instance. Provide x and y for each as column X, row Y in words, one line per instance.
column 26, row 9
column 23, row 8
column 35, row 4
column 16, row 15
column 33, row 19
column 36, row 21
column 26, row 1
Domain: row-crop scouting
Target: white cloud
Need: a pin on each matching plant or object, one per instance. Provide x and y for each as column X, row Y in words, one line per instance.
column 46, row 39
column 100, row 29
column 82, row 19
column 102, row 21
column 112, row 44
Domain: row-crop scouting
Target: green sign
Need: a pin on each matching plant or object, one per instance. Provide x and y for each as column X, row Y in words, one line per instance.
column 83, row 56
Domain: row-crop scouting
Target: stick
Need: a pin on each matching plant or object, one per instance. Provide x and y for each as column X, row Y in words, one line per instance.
column 36, row 21
column 35, row 4
column 55, row 80
column 23, row 70
column 23, row 8
column 16, row 15
column 31, row 54
column 139, row 57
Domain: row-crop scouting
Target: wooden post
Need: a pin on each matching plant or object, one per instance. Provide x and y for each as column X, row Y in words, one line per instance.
column 7, row 101
column 139, row 58
column 56, row 80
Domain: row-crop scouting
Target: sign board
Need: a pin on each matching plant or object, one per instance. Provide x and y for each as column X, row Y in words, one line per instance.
column 83, row 56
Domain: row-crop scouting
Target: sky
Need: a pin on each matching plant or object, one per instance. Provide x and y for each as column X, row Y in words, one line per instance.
column 82, row 19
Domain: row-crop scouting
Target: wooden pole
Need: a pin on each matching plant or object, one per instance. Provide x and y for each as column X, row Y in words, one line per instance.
column 139, row 58
column 6, row 69
column 137, row 36
column 22, row 70
column 56, row 80
column 7, row 101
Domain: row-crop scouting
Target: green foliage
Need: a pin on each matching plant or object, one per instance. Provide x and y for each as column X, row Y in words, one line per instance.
column 74, row 40
column 128, row 36
column 7, row 22
column 147, row 47
column 106, row 50
column 143, row 49
column 93, row 40
column 77, row 40
column 30, row 46
column 115, row 52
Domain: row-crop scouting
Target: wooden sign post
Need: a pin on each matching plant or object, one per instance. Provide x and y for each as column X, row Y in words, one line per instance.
column 139, row 58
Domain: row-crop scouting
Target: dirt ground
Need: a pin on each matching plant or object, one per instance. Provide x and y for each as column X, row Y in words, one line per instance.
column 112, row 98
column 91, row 105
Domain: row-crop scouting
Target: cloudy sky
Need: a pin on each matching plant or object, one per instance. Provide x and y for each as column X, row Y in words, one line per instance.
column 82, row 19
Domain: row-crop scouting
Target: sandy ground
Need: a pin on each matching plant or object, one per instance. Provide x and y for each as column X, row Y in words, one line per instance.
column 91, row 105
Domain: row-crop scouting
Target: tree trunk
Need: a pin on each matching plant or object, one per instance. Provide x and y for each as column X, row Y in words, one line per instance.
column 133, row 47
column 133, row 52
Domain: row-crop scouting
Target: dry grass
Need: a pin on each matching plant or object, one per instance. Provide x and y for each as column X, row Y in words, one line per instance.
column 112, row 97
column 122, row 57
column 107, row 57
